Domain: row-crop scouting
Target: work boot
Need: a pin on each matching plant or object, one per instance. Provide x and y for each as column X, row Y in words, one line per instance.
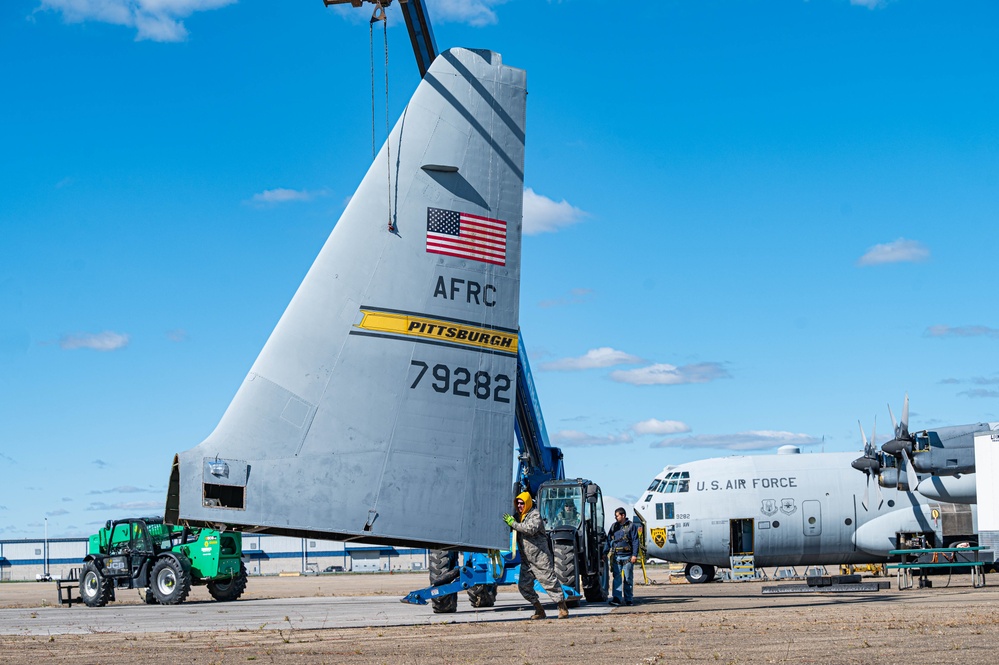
column 539, row 611
column 563, row 610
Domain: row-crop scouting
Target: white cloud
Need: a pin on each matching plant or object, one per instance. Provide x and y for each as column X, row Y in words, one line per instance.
column 569, row 437
column 57, row 513
column 899, row 251
column 177, row 335
column 121, row 489
column 477, row 13
column 961, row 331
column 751, row 440
column 602, row 357
column 133, row 506
column 543, row 215
column 661, row 427
column 155, row 20
column 870, row 4
column 105, row 341
column 283, row 195
column 670, row 375
column 473, row 12
column 980, row 393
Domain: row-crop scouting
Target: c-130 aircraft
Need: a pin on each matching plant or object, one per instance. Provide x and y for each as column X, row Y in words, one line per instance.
column 786, row 509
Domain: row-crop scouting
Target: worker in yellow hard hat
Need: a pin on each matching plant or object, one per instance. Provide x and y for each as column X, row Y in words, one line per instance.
column 536, row 560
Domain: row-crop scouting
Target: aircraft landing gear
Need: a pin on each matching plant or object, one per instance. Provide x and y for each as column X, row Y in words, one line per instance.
column 699, row 574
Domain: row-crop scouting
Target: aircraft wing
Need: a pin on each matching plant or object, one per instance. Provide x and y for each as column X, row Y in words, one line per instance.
column 381, row 408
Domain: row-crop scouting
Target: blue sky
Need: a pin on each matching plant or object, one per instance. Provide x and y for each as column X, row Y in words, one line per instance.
column 750, row 222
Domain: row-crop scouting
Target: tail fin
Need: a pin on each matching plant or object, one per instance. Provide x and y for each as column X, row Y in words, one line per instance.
column 381, row 408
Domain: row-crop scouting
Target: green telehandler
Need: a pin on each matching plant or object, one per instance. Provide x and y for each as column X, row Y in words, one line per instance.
column 137, row 553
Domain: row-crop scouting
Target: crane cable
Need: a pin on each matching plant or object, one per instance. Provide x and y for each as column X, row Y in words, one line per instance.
column 379, row 15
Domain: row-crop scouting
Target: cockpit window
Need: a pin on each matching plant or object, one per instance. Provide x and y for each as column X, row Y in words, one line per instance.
column 654, row 485
column 671, row 487
column 684, row 486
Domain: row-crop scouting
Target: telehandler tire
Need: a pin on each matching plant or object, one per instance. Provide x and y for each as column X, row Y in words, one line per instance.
column 231, row 589
column 95, row 589
column 565, row 569
column 171, row 580
column 482, row 595
column 442, row 563
column 595, row 586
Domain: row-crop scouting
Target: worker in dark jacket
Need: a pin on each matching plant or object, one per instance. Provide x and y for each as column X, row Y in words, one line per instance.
column 535, row 556
column 623, row 543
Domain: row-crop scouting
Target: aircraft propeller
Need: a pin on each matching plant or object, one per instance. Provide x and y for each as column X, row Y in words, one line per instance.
column 903, row 440
column 870, row 464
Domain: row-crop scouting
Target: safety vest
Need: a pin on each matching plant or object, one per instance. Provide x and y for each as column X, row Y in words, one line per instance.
column 621, row 540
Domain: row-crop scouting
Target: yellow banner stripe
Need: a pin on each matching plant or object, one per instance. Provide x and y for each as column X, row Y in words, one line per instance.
column 445, row 331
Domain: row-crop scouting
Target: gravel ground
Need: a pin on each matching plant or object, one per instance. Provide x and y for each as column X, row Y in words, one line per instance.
column 721, row 622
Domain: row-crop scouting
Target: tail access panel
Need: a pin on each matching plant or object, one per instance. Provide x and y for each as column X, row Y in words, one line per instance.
column 381, row 408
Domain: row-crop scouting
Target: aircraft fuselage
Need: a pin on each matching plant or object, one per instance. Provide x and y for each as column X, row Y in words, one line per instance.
column 784, row 509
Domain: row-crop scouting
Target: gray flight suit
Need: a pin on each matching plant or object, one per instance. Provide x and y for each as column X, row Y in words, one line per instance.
column 535, row 558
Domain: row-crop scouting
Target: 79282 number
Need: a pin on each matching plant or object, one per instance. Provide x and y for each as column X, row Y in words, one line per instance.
column 461, row 382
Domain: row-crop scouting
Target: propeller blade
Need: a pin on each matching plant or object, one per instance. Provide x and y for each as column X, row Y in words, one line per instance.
column 881, row 498
column 909, row 470
column 867, row 490
column 905, row 417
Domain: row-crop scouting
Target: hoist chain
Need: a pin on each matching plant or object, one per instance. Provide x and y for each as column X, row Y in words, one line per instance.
column 379, row 16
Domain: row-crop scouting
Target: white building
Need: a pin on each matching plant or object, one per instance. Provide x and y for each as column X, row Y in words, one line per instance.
column 262, row 554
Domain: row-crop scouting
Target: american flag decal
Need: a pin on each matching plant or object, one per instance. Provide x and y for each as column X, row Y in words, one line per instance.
column 466, row 236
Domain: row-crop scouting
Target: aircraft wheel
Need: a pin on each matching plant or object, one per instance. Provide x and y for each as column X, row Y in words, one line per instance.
column 482, row 595
column 442, row 564
column 95, row 589
column 170, row 581
column 565, row 568
column 698, row 573
column 230, row 589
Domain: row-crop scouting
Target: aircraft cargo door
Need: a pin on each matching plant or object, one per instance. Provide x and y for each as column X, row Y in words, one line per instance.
column 811, row 517
column 741, row 541
column 741, row 559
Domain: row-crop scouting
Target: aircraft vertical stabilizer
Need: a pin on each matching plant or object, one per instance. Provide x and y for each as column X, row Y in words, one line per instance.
column 381, row 408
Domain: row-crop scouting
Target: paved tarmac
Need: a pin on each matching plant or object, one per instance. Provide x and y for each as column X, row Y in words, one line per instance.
column 271, row 614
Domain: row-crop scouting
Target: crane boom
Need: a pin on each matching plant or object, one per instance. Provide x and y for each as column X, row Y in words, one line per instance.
column 539, row 460
column 417, row 22
column 420, row 33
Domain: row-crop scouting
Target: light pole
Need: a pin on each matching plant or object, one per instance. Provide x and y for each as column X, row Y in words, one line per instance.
column 45, row 550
